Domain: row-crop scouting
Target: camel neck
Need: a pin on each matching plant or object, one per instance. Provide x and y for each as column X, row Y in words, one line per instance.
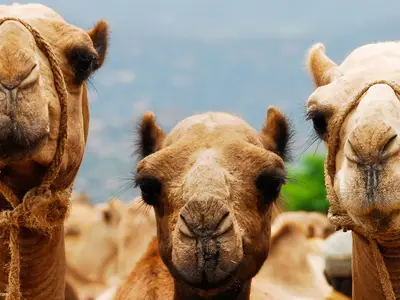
column 42, row 264
column 238, row 292
column 366, row 280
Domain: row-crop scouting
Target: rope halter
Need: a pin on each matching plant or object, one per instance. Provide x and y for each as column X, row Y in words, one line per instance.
column 42, row 208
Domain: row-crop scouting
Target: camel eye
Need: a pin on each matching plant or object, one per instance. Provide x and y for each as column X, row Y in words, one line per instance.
column 150, row 188
column 83, row 63
column 269, row 185
column 319, row 122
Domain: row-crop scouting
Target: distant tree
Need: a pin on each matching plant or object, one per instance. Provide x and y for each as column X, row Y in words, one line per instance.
column 305, row 189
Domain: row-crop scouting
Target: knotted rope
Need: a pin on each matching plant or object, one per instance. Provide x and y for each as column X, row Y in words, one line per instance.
column 336, row 214
column 41, row 208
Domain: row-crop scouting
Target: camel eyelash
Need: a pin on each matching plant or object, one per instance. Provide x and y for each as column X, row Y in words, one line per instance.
column 314, row 114
column 140, row 179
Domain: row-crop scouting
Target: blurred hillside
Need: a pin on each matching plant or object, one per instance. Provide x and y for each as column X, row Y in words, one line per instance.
column 181, row 57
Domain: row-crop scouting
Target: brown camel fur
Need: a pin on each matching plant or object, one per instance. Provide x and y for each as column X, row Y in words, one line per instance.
column 70, row 293
column 356, row 107
column 29, row 128
column 212, row 182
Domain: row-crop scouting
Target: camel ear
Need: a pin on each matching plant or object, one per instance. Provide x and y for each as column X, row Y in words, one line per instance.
column 321, row 67
column 99, row 35
column 150, row 136
column 112, row 214
column 277, row 134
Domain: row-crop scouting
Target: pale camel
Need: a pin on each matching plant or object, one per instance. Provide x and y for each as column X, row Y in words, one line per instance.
column 104, row 242
column 295, row 263
column 85, row 270
column 355, row 110
column 212, row 182
column 80, row 198
column 29, row 129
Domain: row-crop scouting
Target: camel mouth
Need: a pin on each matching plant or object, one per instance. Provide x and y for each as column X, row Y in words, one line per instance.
column 206, row 286
column 215, row 286
column 377, row 221
column 212, row 276
column 18, row 142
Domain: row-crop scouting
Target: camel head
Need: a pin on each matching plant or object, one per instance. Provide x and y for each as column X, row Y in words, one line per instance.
column 91, row 234
column 366, row 180
column 212, row 182
column 29, row 103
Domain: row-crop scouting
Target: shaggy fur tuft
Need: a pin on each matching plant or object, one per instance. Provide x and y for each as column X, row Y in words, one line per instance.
column 149, row 136
column 100, row 38
column 278, row 134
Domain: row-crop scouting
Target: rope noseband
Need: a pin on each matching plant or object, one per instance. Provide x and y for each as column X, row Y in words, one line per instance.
column 42, row 208
column 336, row 214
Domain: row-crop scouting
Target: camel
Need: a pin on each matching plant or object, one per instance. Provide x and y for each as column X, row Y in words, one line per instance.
column 85, row 270
column 44, row 119
column 355, row 111
column 80, row 198
column 104, row 242
column 296, row 242
column 212, row 182
column 295, row 264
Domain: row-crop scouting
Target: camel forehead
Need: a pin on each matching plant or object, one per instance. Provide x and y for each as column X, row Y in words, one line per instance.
column 209, row 123
column 376, row 57
column 362, row 66
column 29, row 11
column 206, row 161
column 207, row 157
column 210, row 120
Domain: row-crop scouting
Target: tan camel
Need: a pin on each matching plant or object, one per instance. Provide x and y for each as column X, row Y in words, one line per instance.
column 85, row 271
column 297, row 243
column 355, row 111
column 295, row 264
column 212, row 182
column 104, row 242
column 80, row 198
column 30, row 114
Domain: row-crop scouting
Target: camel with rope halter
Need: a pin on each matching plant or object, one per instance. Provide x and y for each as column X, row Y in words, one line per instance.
column 355, row 110
column 44, row 120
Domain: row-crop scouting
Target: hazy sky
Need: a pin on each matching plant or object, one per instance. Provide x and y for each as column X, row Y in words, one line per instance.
column 227, row 18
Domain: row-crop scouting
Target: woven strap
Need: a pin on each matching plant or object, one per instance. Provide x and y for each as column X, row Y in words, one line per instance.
column 41, row 208
column 336, row 214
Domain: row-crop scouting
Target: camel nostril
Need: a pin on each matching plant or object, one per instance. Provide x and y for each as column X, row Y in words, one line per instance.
column 370, row 142
column 351, row 152
column 389, row 142
column 224, row 225
column 184, row 228
column 9, row 87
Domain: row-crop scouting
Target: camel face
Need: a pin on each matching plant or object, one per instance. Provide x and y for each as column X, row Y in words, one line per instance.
column 212, row 183
column 367, row 180
column 29, row 104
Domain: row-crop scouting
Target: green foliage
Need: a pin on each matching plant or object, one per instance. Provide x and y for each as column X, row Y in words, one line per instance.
column 305, row 189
